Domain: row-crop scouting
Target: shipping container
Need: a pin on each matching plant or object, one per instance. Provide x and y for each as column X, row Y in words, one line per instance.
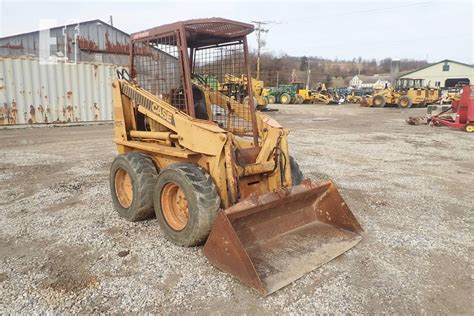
column 33, row 92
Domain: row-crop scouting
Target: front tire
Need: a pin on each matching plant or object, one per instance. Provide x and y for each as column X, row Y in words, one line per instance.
column 132, row 179
column 299, row 99
column 405, row 102
column 186, row 203
column 379, row 101
column 271, row 99
column 285, row 98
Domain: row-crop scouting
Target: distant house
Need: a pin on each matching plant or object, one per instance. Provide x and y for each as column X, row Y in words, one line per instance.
column 376, row 81
column 444, row 74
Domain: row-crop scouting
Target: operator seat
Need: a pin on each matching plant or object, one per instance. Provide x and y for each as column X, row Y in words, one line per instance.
column 200, row 110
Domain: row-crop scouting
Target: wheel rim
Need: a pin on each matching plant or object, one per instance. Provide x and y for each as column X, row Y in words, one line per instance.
column 123, row 188
column 377, row 101
column 403, row 103
column 284, row 99
column 470, row 128
column 174, row 206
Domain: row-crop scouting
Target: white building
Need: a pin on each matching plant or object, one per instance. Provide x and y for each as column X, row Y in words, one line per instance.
column 445, row 74
column 376, row 81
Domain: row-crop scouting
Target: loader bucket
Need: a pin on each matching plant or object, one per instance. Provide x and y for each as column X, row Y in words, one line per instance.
column 271, row 240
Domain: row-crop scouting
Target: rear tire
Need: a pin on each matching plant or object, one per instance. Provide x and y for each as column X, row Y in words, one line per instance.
column 285, row 98
column 271, row 99
column 379, row 101
column 201, row 203
column 132, row 179
column 299, row 99
column 296, row 174
column 405, row 102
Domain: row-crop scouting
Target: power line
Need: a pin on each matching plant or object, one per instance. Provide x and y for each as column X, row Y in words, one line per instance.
column 260, row 41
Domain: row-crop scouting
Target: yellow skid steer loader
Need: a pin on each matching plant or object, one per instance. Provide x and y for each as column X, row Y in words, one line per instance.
column 212, row 169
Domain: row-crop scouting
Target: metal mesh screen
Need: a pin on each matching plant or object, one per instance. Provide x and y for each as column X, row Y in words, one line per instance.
column 221, row 70
column 157, row 69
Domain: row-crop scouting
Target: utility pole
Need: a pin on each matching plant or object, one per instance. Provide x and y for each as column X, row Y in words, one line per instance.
column 309, row 74
column 260, row 41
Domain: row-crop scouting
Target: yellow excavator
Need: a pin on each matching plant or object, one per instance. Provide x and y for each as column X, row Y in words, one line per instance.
column 214, row 170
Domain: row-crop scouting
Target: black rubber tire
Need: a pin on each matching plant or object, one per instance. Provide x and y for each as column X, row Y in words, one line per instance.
column 299, row 99
column 296, row 173
column 271, row 99
column 379, row 101
column 203, row 202
column 286, row 99
column 409, row 102
column 143, row 175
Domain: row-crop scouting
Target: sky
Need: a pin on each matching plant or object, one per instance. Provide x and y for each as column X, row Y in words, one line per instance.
column 421, row 29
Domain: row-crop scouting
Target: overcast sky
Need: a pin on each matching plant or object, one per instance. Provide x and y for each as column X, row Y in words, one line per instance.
column 421, row 29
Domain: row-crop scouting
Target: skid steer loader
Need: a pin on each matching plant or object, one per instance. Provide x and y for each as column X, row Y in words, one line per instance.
column 215, row 170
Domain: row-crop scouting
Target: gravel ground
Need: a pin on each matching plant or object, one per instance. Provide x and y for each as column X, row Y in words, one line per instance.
column 64, row 249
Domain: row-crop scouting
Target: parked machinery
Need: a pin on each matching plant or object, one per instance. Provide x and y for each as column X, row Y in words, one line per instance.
column 462, row 110
column 356, row 96
column 432, row 95
column 459, row 115
column 212, row 168
column 284, row 94
column 303, row 95
column 405, row 94
column 450, row 95
column 321, row 95
column 237, row 87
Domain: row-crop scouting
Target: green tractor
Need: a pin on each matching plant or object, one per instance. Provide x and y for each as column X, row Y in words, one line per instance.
column 284, row 94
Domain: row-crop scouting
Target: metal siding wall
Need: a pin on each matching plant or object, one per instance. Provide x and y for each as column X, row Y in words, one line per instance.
column 93, row 31
column 31, row 92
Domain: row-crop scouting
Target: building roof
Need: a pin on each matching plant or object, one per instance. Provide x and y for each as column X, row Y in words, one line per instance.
column 439, row 62
column 68, row 25
column 372, row 79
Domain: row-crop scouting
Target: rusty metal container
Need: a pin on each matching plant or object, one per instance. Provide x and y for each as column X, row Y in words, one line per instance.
column 271, row 240
column 33, row 92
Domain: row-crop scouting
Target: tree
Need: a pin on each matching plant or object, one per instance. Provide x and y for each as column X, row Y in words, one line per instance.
column 385, row 65
column 304, row 63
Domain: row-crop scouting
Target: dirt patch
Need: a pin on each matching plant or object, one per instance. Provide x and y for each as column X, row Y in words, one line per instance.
column 409, row 187
column 69, row 269
column 3, row 277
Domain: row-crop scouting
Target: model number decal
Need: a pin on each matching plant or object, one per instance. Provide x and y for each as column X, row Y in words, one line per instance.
column 163, row 113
